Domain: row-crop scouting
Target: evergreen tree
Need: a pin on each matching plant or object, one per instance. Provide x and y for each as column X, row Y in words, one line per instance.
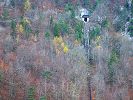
column 56, row 29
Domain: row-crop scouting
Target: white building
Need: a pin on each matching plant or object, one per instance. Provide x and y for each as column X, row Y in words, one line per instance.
column 81, row 11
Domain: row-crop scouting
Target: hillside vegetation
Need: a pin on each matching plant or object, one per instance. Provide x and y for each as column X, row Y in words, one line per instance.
column 47, row 51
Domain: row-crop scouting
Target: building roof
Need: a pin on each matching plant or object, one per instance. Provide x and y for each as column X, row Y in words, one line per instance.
column 85, row 16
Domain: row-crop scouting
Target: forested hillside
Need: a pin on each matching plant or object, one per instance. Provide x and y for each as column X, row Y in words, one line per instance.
column 66, row 49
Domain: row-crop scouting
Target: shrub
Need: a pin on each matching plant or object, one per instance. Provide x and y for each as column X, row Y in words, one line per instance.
column 43, row 98
column 51, row 22
column 130, row 28
column 31, row 93
column 63, row 27
column 105, row 23
column 47, row 34
column 131, row 33
column 46, row 74
column 5, row 14
column 26, row 25
column 94, row 33
column 27, row 5
column 13, row 25
column 36, row 33
column 78, row 31
column 13, row 28
column 113, row 60
column 56, row 30
column 118, row 25
column 12, row 3
column 70, row 7
column 1, row 76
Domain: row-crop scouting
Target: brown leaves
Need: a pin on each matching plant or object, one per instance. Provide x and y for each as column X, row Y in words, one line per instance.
column 12, row 56
column 4, row 66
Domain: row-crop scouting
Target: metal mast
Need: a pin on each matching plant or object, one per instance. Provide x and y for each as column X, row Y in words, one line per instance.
column 87, row 53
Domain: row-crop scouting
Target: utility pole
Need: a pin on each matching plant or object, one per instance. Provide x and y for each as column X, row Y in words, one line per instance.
column 87, row 51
